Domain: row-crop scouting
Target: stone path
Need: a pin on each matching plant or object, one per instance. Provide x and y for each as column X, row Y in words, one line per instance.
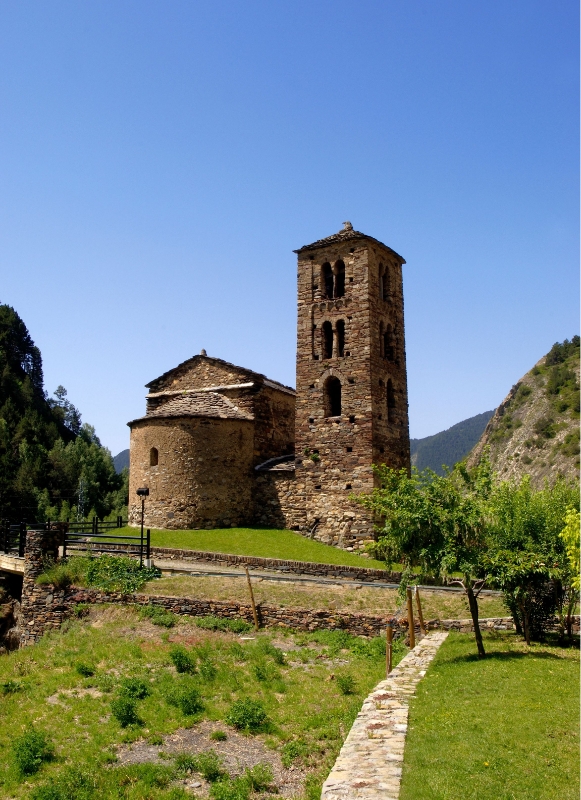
column 370, row 762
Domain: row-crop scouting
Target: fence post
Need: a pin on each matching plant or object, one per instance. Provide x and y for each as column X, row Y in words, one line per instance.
column 388, row 646
column 95, row 526
column 254, row 614
column 412, row 633
column 148, row 551
column 22, row 539
column 420, row 615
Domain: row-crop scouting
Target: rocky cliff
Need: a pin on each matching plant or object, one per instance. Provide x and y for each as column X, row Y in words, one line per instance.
column 535, row 430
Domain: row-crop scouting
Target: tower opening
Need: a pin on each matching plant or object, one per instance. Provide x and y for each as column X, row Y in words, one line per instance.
column 388, row 349
column 332, row 397
column 153, row 457
column 327, row 330
column 340, row 338
column 327, row 280
column 339, row 279
column 390, row 402
column 384, row 284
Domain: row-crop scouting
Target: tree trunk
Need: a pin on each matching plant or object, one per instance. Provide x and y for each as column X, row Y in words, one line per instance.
column 473, row 603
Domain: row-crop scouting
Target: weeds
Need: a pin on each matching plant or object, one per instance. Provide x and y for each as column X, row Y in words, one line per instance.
column 187, row 697
column 182, row 660
column 124, row 709
column 159, row 616
column 30, row 751
column 218, row 736
column 135, row 688
column 346, row 684
column 211, row 623
column 247, row 715
column 84, row 669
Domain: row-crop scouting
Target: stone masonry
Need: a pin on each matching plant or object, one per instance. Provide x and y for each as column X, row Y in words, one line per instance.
column 223, row 446
column 369, row 765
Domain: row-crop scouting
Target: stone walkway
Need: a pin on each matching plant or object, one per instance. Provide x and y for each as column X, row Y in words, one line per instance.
column 370, row 762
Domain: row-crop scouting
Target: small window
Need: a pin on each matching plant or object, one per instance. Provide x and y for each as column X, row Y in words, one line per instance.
column 390, row 402
column 332, row 397
column 153, row 457
column 339, row 279
column 327, row 280
column 349, row 449
column 347, row 485
column 384, row 283
column 327, row 343
column 340, row 338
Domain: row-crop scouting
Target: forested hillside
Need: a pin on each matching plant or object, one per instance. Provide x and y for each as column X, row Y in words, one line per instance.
column 50, row 463
column 449, row 446
column 535, row 430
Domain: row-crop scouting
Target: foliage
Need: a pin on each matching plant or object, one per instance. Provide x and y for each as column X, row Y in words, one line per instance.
column 247, row 714
column 119, row 573
column 259, row 777
column 158, row 615
column 182, row 660
column 346, row 683
column 86, row 670
column 570, row 537
column 30, row 751
column 136, row 688
column 124, row 709
column 207, row 763
column 211, row 623
column 560, row 352
column 449, row 446
column 186, row 696
column 218, row 736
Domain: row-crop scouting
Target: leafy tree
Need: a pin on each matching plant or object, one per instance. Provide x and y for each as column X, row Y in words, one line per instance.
column 435, row 523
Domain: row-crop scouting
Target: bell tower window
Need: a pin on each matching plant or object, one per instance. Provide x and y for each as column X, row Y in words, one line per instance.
column 339, row 279
column 327, row 332
column 327, row 280
column 340, row 328
column 388, row 350
column 153, row 457
column 332, row 397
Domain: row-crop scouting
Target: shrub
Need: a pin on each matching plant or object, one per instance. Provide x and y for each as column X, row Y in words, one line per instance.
column 209, row 765
column 159, row 616
column 124, row 709
column 10, row 687
column 30, row 751
column 269, row 649
column 208, row 670
column 545, row 426
column 186, row 697
column 211, row 623
column 238, row 652
column 84, row 669
column 291, row 751
column 119, row 573
column 229, row 789
column 81, row 610
column 259, row 777
column 218, row 736
column 135, row 688
column 65, row 573
column 346, row 683
column 247, row 714
column 182, row 660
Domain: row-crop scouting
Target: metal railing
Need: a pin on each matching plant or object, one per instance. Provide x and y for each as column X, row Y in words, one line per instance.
column 107, row 542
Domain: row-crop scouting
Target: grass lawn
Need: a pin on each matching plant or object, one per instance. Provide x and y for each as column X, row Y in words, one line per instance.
column 64, row 686
column 264, row 542
column 502, row 728
column 442, row 605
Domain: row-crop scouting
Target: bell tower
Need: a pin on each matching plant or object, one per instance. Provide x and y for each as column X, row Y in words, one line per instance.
column 351, row 405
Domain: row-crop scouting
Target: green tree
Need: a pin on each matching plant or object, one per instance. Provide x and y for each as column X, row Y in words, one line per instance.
column 435, row 524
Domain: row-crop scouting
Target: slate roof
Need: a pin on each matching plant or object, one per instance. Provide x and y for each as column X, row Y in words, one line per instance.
column 243, row 370
column 345, row 235
column 197, row 404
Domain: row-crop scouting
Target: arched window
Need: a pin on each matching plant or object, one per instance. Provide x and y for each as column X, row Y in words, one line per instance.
column 384, row 283
column 327, row 280
column 327, row 331
column 339, row 279
column 390, row 402
column 340, row 338
column 332, row 397
column 381, row 351
column 153, row 457
column 388, row 349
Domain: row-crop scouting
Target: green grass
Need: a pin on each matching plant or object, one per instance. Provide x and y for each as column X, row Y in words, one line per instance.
column 263, row 542
column 308, row 715
column 502, row 728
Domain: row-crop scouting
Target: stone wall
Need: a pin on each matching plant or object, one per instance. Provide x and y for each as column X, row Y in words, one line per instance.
column 203, row 478
column 279, row 500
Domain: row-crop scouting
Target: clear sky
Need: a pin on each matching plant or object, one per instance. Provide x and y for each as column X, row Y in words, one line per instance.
column 160, row 160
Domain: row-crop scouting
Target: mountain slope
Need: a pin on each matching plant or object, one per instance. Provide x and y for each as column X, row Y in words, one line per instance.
column 121, row 460
column 449, row 446
column 535, row 430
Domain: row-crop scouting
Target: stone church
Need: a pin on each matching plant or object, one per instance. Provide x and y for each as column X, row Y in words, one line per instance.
column 223, row 446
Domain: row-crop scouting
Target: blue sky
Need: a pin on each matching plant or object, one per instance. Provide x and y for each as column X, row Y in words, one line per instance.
column 159, row 161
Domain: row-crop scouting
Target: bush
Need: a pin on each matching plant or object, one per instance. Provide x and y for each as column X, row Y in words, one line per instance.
column 291, row 751
column 346, row 683
column 208, row 670
column 247, row 715
column 182, row 660
column 159, row 616
column 211, row 623
column 10, row 687
column 84, row 669
column 124, row 709
column 208, row 764
column 30, row 751
column 218, row 736
column 186, row 697
column 259, row 777
column 119, row 573
column 135, row 688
